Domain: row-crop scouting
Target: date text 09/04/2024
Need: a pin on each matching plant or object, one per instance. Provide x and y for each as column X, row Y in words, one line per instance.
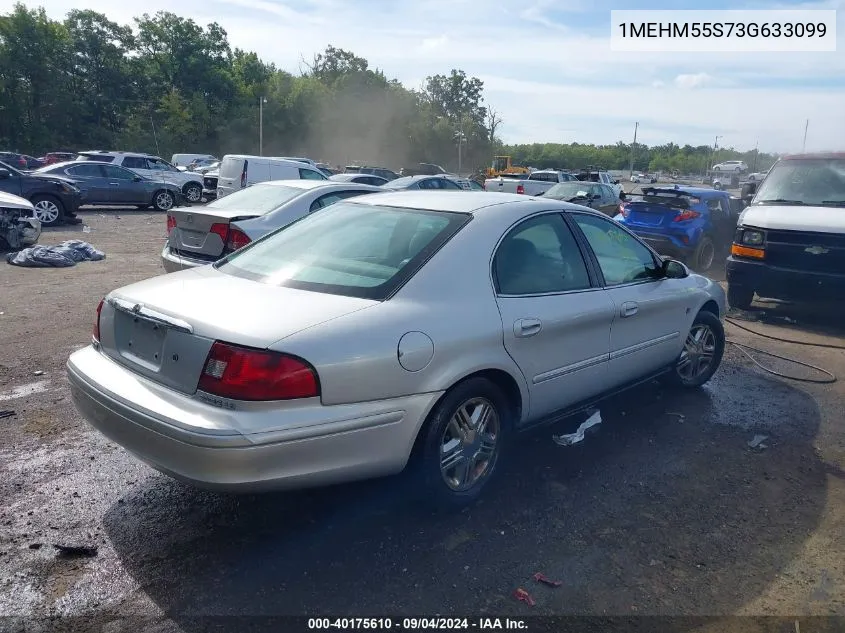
column 417, row 624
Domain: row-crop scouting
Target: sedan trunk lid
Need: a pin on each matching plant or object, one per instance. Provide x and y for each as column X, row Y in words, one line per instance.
column 202, row 233
column 164, row 327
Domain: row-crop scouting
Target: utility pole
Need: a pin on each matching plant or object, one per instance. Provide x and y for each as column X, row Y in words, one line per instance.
column 715, row 148
column 633, row 146
column 155, row 136
column 261, row 102
column 756, row 153
column 804, row 146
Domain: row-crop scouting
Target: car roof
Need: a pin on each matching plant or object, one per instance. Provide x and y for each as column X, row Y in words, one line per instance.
column 471, row 202
column 100, row 152
column 815, row 155
column 305, row 184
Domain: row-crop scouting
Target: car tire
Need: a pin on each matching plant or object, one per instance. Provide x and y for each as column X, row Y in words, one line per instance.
column 702, row 353
column 704, row 255
column 163, row 200
column 740, row 297
column 49, row 210
column 453, row 484
column 717, row 169
column 193, row 193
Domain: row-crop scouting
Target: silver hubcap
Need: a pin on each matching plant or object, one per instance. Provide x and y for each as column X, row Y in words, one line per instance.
column 468, row 446
column 46, row 211
column 193, row 194
column 699, row 350
column 164, row 201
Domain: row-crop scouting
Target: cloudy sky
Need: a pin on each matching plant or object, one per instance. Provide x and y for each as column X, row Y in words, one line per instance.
column 548, row 67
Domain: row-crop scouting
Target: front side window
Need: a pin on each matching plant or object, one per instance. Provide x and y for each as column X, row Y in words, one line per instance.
column 310, row 174
column 622, row 258
column 539, row 256
column 135, row 162
column 118, row 173
column 347, row 249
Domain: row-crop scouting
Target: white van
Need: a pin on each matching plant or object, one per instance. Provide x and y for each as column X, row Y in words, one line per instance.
column 183, row 160
column 238, row 171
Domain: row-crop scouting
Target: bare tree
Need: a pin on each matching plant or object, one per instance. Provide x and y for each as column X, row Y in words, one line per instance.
column 493, row 123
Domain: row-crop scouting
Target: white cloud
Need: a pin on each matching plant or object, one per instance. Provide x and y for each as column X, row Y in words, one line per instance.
column 692, row 81
column 546, row 86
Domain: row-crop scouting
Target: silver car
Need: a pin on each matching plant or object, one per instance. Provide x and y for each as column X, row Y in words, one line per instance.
column 199, row 236
column 397, row 329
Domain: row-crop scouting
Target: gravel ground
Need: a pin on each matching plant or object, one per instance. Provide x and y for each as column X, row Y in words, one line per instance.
column 664, row 511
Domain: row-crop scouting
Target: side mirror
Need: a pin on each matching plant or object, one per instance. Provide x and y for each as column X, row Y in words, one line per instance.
column 623, row 195
column 137, row 179
column 615, row 182
column 595, row 196
column 673, row 269
column 4, row 173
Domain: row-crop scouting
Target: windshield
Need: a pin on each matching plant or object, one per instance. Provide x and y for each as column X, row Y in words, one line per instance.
column 810, row 181
column 261, row 198
column 567, row 190
column 347, row 249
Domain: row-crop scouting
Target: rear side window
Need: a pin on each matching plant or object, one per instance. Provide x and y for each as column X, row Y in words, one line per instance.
column 539, row 256
column 90, row 170
column 330, row 198
column 310, row 174
column 118, row 173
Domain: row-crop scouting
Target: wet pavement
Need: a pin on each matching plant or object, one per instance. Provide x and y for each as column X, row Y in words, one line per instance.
column 664, row 510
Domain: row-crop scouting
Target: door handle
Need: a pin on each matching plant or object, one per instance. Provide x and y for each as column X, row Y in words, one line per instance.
column 629, row 308
column 524, row 328
column 114, row 184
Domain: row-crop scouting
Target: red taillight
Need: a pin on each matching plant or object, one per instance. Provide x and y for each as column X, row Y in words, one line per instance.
column 686, row 215
column 220, row 229
column 520, row 188
column 95, row 335
column 237, row 239
column 171, row 224
column 232, row 238
column 624, row 210
column 242, row 373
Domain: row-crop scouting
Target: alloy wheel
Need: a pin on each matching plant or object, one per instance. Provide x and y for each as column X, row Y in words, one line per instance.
column 193, row 194
column 164, row 201
column 698, row 353
column 46, row 211
column 469, row 444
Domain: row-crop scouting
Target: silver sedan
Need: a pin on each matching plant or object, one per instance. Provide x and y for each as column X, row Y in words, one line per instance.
column 398, row 329
column 201, row 235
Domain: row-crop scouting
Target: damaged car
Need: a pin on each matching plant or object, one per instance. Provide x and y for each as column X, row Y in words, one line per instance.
column 19, row 224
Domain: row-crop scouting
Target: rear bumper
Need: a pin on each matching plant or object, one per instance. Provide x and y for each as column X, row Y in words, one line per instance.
column 785, row 283
column 173, row 262
column 310, row 444
column 666, row 245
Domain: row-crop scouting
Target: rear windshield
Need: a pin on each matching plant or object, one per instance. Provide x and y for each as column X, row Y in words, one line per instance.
column 567, row 190
column 400, row 183
column 231, row 167
column 811, row 181
column 260, row 198
column 347, row 249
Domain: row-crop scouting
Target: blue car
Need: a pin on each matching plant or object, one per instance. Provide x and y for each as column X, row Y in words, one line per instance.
column 692, row 224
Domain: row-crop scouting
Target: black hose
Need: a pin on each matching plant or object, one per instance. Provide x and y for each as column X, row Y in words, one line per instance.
column 743, row 348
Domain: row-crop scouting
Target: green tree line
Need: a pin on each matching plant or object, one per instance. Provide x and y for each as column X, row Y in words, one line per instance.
column 166, row 84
